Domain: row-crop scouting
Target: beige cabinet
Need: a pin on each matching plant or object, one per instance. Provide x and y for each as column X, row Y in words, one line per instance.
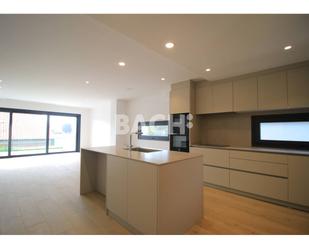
column 180, row 95
column 245, row 94
column 214, row 97
column 213, row 157
column 204, row 98
column 272, row 91
column 272, row 187
column 142, row 196
column 222, row 97
column 116, row 185
column 298, row 180
column 216, row 175
column 298, row 87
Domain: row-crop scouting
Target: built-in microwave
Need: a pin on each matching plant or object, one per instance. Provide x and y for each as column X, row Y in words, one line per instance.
column 179, row 132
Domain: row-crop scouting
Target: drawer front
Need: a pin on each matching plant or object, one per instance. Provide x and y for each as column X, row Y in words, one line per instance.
column 267, row 186
column 263, row 157
column 215, row 175
column 267, row 168
column 216, row 157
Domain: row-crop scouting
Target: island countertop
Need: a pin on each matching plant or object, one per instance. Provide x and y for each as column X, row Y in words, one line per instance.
column 157, row 157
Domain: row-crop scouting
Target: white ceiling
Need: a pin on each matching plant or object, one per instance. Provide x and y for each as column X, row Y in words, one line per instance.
column 228, row 44
column 47, row 58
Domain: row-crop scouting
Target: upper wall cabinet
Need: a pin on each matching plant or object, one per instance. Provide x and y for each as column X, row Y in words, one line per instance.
column 298, row 87
column 223, row 97
column 180, row 98
column 204, row 98
column 272, row 91
column 245, row 94
column 214, row 97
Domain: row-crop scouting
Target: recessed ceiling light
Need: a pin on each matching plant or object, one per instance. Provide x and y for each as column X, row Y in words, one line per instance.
column 169, row 45
column 288, row 47
column 87, row 82
column 207, row 69
column 121, row 63
column 162, row 78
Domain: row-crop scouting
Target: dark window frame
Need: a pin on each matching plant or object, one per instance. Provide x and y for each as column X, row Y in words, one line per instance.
column 256, row 135
column 48, row 113
column 155, row 123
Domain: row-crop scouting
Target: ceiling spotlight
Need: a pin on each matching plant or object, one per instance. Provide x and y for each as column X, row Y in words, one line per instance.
column 121, row 63
column 162, row 79
column 87, row 82
column 287, row 47
column 207, row 69
column 169, row 45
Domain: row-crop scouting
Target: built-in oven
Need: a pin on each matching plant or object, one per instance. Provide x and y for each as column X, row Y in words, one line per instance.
column 179, row 132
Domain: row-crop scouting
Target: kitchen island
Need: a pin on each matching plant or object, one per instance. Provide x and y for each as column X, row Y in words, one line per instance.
column 158, row 192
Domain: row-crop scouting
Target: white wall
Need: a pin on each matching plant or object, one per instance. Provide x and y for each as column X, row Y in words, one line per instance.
column 146, row 107
column 102, row 125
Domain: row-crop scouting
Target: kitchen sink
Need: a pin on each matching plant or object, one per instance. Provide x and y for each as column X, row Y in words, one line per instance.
column 140, row 149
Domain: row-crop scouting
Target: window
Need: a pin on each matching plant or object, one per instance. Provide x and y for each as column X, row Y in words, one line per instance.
column 154, row 130
column 4, row 133
column 282, row 131
column 27, row 132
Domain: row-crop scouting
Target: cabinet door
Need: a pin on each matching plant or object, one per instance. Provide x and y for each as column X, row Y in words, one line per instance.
column 245, row 94
column 142, row 196
column 116, row 186
column 180, row 100
column 223, row 96
column 298, row 87
column 272, row 91
column 298, row 180
column 204, row 99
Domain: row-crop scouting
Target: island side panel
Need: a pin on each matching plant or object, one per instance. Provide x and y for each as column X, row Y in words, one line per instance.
column 101, row 173
column 180, row 196
column 88, row 171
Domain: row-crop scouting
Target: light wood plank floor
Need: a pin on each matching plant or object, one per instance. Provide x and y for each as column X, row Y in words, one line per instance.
column 40, row 195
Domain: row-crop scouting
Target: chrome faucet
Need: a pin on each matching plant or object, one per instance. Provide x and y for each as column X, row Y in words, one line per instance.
column 137, row 133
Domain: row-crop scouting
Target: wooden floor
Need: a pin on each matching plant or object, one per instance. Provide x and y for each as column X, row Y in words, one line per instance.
column 228, row 213
column 39, row 195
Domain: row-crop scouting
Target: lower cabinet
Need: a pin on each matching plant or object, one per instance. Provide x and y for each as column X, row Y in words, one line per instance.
column 268, row 186
column 142, row 196
column 299, row 180
column 216, row 175
column 116, row 185
column 277, row 176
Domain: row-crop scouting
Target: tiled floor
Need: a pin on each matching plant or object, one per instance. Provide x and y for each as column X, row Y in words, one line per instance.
column 39, row 195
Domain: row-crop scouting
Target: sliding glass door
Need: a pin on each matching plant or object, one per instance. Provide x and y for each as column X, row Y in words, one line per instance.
column 4, row 133
column 27, row 132
column 62, row 133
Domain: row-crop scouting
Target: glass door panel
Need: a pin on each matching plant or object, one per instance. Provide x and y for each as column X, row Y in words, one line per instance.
column 4, row 133
column 62, row 133
column 28, row 134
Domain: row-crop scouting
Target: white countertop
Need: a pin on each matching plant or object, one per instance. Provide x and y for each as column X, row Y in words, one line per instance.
column 257, row 149
column 158, row 157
